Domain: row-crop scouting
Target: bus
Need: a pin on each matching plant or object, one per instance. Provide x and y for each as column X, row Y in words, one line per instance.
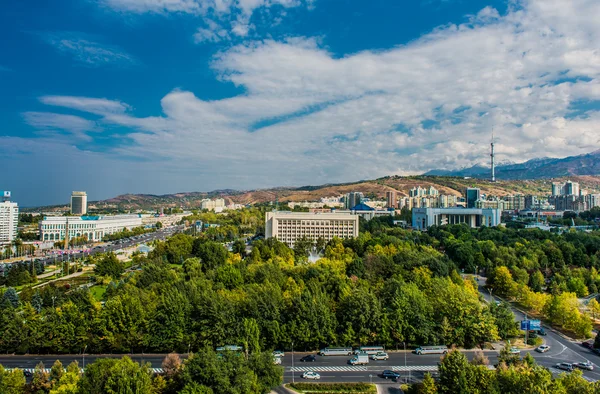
column 370, row 350
column 432, row 350
column 230, row 348
column 336, row 351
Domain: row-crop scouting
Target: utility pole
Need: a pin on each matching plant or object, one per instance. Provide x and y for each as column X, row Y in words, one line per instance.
column 293, row 375
column 492, row 159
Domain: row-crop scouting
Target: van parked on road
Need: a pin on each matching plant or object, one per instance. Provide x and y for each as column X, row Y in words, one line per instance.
column 432, row 350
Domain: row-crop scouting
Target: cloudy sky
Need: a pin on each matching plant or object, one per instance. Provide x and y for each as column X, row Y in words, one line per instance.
column 162, row 96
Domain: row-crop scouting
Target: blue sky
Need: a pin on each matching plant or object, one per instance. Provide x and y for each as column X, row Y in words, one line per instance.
column 155, row 96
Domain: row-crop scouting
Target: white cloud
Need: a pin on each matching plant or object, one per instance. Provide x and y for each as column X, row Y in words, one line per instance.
column 86, row 51
column 308, row 116
column 97, row 106
column 224, row 19
column 213, row 32
column 51, row 122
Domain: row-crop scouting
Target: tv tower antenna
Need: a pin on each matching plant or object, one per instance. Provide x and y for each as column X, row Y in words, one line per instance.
column 492, row 158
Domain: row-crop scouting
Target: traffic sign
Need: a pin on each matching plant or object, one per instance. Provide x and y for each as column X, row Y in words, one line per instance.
column 531, row 325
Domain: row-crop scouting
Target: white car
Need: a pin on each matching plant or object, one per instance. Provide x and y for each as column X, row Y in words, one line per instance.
column 380, row 356
column 585, row 365
column 278, row 353
column 514, row 350
column 542, row 348
column 311, row 375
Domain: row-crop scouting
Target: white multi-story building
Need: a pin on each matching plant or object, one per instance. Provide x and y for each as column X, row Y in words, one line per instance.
column 53, row 228
column 78, row 203
column 213, row 205
column 289, row 226
column 423, row 218
column 9, row 218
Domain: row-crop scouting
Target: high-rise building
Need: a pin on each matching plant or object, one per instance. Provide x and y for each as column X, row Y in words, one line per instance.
column 9, row 218
column 390, row 198
column 78, row 203
column 472, row 194
column 591, row 201
column 565, row 189
column 557, row 189
column 289, row 226
column 571, row 188
column 353, row 199
column 531, row 202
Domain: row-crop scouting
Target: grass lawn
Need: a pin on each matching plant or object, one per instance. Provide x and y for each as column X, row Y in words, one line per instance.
column 98, row 292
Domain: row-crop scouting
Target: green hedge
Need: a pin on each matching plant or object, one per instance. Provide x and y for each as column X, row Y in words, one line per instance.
column 326, row 388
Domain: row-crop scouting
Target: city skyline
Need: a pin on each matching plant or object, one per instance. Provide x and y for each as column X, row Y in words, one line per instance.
column 123, row 96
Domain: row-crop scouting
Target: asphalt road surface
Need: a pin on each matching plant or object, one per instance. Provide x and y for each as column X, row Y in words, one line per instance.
column 112, row 246
column 337, row 369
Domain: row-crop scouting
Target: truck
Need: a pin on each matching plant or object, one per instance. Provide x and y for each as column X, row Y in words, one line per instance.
column 359, row 359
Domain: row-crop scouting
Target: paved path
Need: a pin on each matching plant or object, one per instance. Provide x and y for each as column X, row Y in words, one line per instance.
column 73, row 275
column 48, row 274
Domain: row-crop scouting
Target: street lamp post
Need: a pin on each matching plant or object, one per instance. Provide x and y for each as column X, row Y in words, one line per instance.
column 293, row 375
column 83, row 357
column 404, row 343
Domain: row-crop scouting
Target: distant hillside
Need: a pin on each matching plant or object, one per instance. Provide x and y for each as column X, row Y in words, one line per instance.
column 374, row 188
column 587, row 164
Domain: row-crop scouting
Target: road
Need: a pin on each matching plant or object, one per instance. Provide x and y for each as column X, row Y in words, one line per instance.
column 111, row 246
column 336, row 368
column 561, row 348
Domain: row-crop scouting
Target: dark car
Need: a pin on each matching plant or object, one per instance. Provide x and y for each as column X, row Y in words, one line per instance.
column 541, row 331
column 387, row 374
column 27, row 373
column 309, row 358
column 588, row 345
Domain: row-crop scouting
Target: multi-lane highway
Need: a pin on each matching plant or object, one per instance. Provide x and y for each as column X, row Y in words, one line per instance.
column 110, row 246
column 337, row 369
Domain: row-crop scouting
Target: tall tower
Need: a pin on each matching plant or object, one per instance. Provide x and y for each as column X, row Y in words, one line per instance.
column 492, row 159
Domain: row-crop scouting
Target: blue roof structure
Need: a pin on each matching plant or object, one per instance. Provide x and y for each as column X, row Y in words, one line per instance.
column 362, row 207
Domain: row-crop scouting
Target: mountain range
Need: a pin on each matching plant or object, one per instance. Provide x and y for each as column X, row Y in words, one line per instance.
column 586, row 164
column 532, row 177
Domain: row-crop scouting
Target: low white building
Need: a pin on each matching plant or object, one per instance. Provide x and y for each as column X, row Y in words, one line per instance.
column 423, row 218
column 53, row 228
column 289, row 226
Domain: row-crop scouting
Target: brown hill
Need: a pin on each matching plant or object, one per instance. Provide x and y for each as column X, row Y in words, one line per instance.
column 375, row 189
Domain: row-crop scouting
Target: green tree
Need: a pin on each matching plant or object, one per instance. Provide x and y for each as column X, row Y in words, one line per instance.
column 127, row 376
column 96, row 375
column 11, row 297
column 454, row 373
column 56, row 372
column 67, row 384
column 239, row 247
column 594, row 307
column 211, row 254
column 537, row 281
column 428, row 386
column 504, row 319
column 12, row 382
column 40, row 382
column 109, row 265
